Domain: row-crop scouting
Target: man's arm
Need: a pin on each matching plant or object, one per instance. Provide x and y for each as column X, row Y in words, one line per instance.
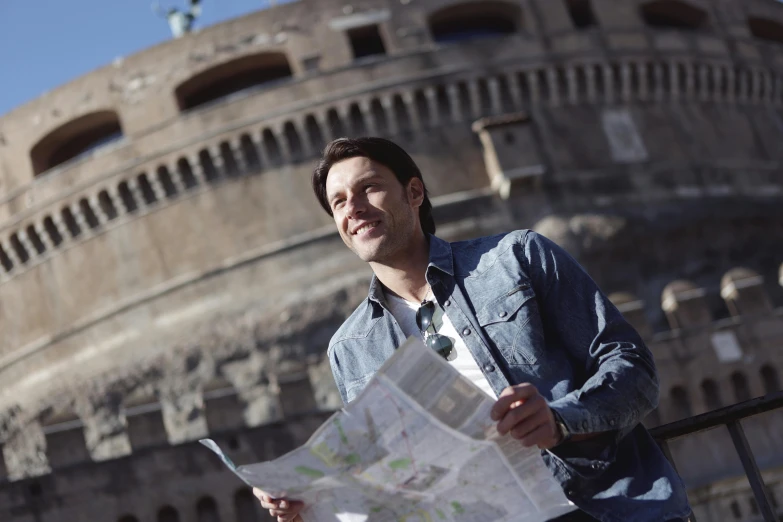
column 622, row 384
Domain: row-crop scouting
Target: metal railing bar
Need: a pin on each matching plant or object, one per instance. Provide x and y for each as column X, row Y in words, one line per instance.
column 719, row 417
column 752, row 471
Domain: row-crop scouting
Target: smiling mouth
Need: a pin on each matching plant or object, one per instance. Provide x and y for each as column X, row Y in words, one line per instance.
column 366, row 227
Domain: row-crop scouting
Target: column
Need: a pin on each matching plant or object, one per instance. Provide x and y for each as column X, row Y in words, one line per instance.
column 515, row 90
column 554, row 89
column 456, row 110
column 573, row 85
column 410, row 107
column 494, row 95
column 475, row 98
column 431, row 96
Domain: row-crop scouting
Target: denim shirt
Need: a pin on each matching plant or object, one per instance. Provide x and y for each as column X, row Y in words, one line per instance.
column 528, row 312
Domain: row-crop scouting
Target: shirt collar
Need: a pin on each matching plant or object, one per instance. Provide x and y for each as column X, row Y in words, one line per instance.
column 440, row 258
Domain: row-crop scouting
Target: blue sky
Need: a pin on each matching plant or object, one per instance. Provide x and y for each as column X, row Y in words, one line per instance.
column 45, row 43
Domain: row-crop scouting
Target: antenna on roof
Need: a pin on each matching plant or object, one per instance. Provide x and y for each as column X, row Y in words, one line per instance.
column 180, row 22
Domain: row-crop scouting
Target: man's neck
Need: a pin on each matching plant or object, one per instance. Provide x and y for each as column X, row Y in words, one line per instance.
column 405, row 274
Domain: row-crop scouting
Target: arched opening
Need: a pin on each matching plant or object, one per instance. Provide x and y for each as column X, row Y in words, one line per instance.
column 242, row 74
column 168, row 514
column 75, row 139
column 185, row 170
column 765, row 29
column 581, row 12
column 107, row 205
column 126, row 195
column 246, row 506
column 471, row 20
column 770, row 379
column 711, row 393
column 673, row 14
column 681, row 405
column 740, row 384
column 35, row 240
column 52, row 231
column 250, row 153
column 206, row 510
column 314, row 134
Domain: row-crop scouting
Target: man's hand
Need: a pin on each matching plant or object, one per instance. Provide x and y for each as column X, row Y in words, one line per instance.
column 523, row 412
column 284, row 509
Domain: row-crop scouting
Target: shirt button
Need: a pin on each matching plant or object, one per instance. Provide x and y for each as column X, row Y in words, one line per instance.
column 489, row 368
column 595, row 466
column 447, row 303
column 569, row 493
column 502, row 314
column 466, row 331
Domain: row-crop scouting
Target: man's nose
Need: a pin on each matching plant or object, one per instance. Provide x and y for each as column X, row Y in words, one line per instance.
column 355, row 206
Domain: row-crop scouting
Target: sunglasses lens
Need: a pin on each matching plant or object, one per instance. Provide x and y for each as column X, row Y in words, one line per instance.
column 442, row 345
column 424, row 315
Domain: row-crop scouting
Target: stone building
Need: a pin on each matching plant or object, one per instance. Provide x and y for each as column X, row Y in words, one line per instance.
column 165, row 272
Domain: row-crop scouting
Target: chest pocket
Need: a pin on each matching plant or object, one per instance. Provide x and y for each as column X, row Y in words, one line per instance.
column 512, row 322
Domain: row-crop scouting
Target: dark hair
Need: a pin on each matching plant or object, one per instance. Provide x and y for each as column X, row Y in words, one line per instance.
column 380, row 150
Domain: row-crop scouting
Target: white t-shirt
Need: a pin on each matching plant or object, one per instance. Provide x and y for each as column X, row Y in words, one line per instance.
column 405, row 314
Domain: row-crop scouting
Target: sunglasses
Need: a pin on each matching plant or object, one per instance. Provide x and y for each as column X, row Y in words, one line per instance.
column 442, row 344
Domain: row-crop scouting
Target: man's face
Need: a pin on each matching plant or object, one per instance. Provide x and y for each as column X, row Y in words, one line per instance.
column 376, row 216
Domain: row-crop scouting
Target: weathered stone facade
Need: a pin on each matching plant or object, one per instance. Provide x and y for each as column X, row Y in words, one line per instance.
column 166, row 273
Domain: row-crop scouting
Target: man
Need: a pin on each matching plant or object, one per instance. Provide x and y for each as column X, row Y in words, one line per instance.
column 515, row 314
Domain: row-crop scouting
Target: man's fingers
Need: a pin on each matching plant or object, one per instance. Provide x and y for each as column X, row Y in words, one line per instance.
column 509, row 396
column 520, row 414
column 529, row 425
column 540, row 437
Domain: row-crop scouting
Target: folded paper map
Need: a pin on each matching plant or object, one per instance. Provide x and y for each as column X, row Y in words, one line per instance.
column 417, row 445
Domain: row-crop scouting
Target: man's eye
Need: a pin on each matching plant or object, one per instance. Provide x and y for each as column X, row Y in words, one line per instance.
column 338, row 203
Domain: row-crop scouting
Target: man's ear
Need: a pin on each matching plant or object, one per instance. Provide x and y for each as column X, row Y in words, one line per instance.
column 415, row 190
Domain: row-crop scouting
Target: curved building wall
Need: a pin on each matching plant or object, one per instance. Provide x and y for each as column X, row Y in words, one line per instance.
column 162, row 258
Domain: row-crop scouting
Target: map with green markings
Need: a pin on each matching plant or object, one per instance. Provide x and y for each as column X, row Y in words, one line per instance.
column 417, row 445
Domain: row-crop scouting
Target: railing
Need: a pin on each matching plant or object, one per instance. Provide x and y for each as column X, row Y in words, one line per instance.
column 731, row 417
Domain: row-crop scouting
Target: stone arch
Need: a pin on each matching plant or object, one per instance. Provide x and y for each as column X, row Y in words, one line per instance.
column 74, row 139
column 206, row 510
column 51, row 230
column 228, row 78
column 766, row 29
column 5, row 260
column 294, row 141
column 673, row 14
column 769, row 379
column 90, row 217
column 228, row 160
column 272, row 150
column 21, row 252
column 470, row 20
column 186, row 175
column 145, row 186
column 166, row 181
column 711, row 393
column 314, row 133
column 35, row 239
column 70, row 221
column 107, row 206
column 250, row 153
column 357, row 122
column 739, row 384
column 127, row 197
